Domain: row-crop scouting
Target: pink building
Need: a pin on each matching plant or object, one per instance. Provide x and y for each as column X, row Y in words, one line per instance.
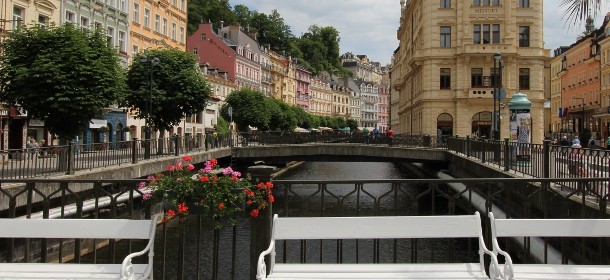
column 212, row 50
column 303, row 78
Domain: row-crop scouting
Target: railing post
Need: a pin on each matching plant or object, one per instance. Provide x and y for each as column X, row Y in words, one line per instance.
column 467, row 146
column 71, row 158
column 506, row 155
column 483, row 150
column 261, row 226
column 546, row 173
column 134, row 151
column 176, row 146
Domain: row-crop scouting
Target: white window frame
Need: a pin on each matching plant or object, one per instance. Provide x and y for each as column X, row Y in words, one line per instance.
column 70, row 16
column 110, row 36
column 146, row 18
column 122, row 43
column 174, row 31
column 157, row 22
column 181, row 34
column 85, row 23
column 136, row 12
column 165, row 26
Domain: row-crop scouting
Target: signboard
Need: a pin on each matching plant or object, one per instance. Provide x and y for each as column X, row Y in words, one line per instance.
column 97, row 123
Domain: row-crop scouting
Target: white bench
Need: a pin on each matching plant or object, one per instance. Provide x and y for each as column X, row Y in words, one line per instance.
column 549, row 228
column 385, row 227
column 80, row 229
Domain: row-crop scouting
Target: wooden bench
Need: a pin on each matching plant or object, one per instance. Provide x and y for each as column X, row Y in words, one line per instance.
column 80, row 229
column 549, row 228
column 383, row 227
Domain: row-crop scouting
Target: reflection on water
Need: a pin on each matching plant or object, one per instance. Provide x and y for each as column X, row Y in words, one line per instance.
column 315, row 200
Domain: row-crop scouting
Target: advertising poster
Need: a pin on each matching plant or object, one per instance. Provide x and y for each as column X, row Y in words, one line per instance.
column 524, row 134
column 513, row 125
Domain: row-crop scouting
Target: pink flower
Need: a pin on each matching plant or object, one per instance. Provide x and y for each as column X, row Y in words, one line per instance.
column 207, row 169
column 190, row 167
column 227, row 171
column 236, row 173
column 142, row 185
column 147, row 196
column 171, row 168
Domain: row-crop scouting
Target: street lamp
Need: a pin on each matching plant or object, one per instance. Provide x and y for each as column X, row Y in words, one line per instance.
column 155, row 61
column 496, row 95
column 582, row 121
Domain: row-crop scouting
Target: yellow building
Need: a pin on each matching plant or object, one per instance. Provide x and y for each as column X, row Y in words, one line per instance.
column 555, row 121
column 157, row 24
column 446, row 65
column 23, row 12
column 321, row 97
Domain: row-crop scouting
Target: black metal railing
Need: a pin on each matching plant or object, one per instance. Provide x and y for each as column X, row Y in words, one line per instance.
column 201, row 251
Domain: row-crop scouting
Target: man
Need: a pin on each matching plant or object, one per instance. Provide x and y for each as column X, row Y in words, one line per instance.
column 390, row 134
column 375, row 134
column 608, row 143
column 365, row 133
column 564, row 141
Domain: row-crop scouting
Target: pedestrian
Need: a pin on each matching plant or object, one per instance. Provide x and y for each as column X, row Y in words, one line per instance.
column 575, row 141
column 32, row 148
column 365, row 133
column 564, row 141
column 43, row 148
column 592, row 143
column 375, row 135
column 215, row 135
column 608, row 143
column 390, row 134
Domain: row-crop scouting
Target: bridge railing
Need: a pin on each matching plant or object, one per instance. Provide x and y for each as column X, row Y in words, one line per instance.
column 66, row 159
column 201, row 251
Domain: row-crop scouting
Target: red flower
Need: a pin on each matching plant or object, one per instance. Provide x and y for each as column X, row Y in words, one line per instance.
column 254, row 213
column 182, row 220
column 171, row 213
column 271, row 198
column 214, row 162
column 187, row 158
column 221, row 206
column 171, row 168
column 204, row 178
column 182, row 208
column 249, row 202
column 190, row 167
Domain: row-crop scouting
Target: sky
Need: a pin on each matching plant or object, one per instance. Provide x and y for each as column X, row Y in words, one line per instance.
column 368, row 27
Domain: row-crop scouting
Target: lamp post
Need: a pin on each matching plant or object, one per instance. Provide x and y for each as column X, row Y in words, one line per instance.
column 496, row 95
column 153, row 62
column 582, row 121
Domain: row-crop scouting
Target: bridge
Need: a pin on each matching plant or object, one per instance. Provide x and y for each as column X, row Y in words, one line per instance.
column 338, row 152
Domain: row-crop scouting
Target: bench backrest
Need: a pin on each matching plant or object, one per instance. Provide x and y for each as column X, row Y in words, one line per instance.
column 551, row 227
column 77, row 228
column 380, row 227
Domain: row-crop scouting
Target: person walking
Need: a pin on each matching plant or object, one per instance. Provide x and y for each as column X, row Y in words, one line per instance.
column 390, row 134
column 32, row 148
column 375, row 135
column 564, row 141
column 366, row 134
column 608, row 143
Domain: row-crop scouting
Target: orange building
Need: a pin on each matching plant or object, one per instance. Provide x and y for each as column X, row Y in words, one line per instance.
column 158, row 24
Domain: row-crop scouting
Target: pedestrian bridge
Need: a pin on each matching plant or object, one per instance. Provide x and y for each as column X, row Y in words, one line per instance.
column 338, row 152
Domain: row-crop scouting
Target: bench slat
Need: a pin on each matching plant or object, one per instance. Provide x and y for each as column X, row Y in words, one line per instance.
column 553, row 227
column 378, row 271
column 377, row 227
column 64, row 271
column 73, row 228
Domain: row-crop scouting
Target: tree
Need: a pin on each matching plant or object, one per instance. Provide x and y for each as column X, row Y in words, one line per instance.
column 213, row 11
column 352, row 124
column 249, row 109
column 178, row 88
column 578, row 10
column 62, row 75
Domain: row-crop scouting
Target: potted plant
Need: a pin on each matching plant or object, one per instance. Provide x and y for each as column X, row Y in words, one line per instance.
column 103, row 129
column 220, row 192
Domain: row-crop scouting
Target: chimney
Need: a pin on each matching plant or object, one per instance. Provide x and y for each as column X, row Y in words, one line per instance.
column 205, row 68
column 222, row 24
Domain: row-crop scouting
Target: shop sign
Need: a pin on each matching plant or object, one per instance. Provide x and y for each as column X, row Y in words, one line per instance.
column 97, row 123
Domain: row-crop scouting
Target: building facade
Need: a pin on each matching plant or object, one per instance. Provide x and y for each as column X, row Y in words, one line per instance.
column 448, row 70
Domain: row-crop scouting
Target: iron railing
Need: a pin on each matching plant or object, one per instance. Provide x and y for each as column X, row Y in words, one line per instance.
column 200, row 251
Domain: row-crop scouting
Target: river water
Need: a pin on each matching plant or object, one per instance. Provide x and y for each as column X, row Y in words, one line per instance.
column 234, row 261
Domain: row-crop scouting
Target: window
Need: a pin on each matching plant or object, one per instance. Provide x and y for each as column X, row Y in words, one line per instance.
column 445, row 4
column 123, row 6
column 122, row 46
column 110, row 37
column 173, row 31
column 524, row 78
column 203, row 37
column 486, row 2
column 84, row 23
column 524, row 3
column 486, row 33
column 445, row 78
column 524, row 36
column 157, row 19
column 194, row 50
column 18, row 14
column 136, row 49
column 136, row 12
column 165, row 26
column 98, row 25
column 476, row 75
column 70, row 16
column 182, row 4
column 445, row 36
column 181, row 34
column 146, row 18
column 110, row 3
column 43, row 21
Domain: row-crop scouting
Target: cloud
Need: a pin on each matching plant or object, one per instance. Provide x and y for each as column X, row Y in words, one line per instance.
column 369, row 26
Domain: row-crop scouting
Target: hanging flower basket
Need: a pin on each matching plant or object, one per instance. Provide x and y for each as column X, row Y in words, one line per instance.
column 221, row 193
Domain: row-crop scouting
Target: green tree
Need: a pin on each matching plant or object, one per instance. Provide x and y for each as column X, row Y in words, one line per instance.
column 178, row 88
column 352, row 124
column 62, row 75
column 213, row 11
column 249, row 109
column 222, row 126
